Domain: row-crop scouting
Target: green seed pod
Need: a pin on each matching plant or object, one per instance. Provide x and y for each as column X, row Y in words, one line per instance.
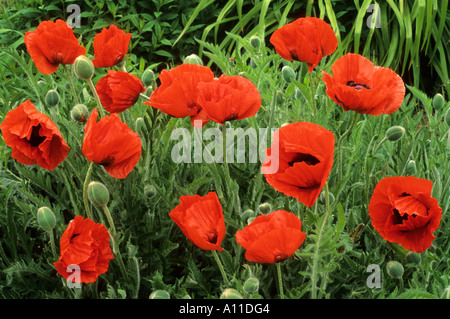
column 79, row 113
column 251, row 285
column 46, row 218
column 98, row 193
column 193, row 59
column 288, row 73
column 149, row 191
column 413, row 257
column 52, row 98
column 159, row 294
column 438, row 101
column 83, row 67
column 265, row 208
column 395, row 133
column 255, row 42
column 230, row 293
column 148, row 77
column 447, row 117
column 395, row 269
column 411, row 167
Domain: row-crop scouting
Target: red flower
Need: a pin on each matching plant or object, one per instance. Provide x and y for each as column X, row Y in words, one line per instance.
column 85, row 245
column 112, row 144
column 403, row 211
column 33, row 137
column 110, row 47
column 229, row 98
column 304, row 156
column 178, row 94
column 119, row 90
column 51, row 44
column 360, row 86
column 201, row 220
column 271, row 238
column 306, row 40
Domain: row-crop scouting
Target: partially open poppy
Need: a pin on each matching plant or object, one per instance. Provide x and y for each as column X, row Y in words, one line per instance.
column 33, row 137
column 360, row 86
column 229, row 98
column 85, row 249
column 271, row 238
column 304, row 156
column 178, row 94
column 119, row 90
column 110, row 47
column 305, row 39
column 201, row 220
column 52, row 44
column 403, row 211
column 112, row 144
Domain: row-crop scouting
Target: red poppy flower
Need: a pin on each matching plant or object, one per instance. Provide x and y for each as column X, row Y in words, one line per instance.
column 360, row 86
column 201, row 220
column 33, row 137
column 403, row 211
column 119, row 90
column 229, row 98
column 304, row 157
column 84, row 244
column 110, row 47
column 271, row 238
column 51, row 44
column 178, row 94
column 306, row 40
column 112, row 144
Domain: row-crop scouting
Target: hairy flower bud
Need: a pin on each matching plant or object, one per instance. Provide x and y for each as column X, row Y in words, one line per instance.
column 159, row 294
column 193, row 59
column 79, row 113
column 52, row 98
column 83, row 67
column 148, row 77
column 247, row 214
column 411, row 167
column 265, row 208
column 288, row 73
column 46, row 218
column 413, row 257
column 395, row 133
column 395, row 269
column 149, row 191
column 251, row 285
column 438, row 101
column 255, row 41
column 98, row 193
column 230, row 293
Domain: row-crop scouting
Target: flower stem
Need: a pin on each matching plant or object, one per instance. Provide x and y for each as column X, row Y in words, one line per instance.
column 219, row 264
column 97, row 99
column 72, row 86
column 339, row 144
column 85, row 188
column 280, row 280
column 52, row 243
column 313, row 94
column 225, row 162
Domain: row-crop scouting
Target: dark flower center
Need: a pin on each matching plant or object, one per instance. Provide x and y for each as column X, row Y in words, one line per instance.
column 398, row 219
column 281, row 257
column 57, row 58
column 35, row 138
column 107, row 161
column 358, row 86
column 73, row 236
column 232, row 117
column 293, row 54
column 307, row 158
column 212, row 236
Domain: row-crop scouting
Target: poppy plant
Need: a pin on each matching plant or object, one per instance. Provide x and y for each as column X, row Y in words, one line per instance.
column 84, row 244
column 110, row 47
column 229, row 98
column 305, row 157
column 271, row 238
column 201, row 220
column 52, row 44
column 403, row 211
column 119, row 90
column 306, row 40
column 360, row 86
column 112, row 144
column 33, row 137
column 178, row 94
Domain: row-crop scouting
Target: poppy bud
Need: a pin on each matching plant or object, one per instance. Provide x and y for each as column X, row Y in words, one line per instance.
column 265, row 208
column 230, row 293
column 413, row 257
column 394, row 133
column 193, row 59
column 98, row 193
column 395, row 269
column 148, row 77
column 148, row 91
column 251, row 285
column 83, row 67
column 52, row 98
column 411, row 167
column 159, row 294
column 322, row 198
column 46, row 218
column 447, row 117
column 288, row 73
column 41, row 85
column 247, row 214
column 255, row 41
column 139, row 124
column 149, row 191
column 438, row 101
column 79, row 113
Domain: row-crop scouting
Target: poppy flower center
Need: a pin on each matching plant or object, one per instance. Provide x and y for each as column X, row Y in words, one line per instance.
column 212, row 236
column 307, row 158
column 35, row 138
column 397, row 218
column 73, row 236
column 358, row 86
column 231, row 117
column 281, row 257
column 57, row 58
column 107, row 161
